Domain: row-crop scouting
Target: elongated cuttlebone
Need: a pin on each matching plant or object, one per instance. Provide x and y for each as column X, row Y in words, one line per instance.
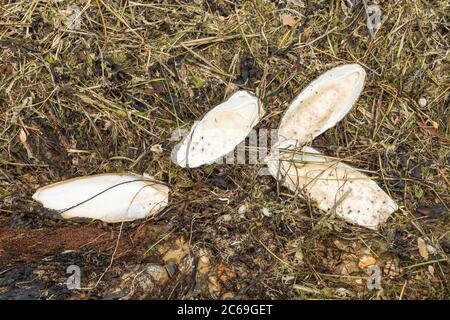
column 322, row 104
column 107, row 197
column 220, row 131
column 333, row 185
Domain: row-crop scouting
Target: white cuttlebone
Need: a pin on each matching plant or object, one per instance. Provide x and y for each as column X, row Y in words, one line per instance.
column 107, row 197
column 333, row 185
column 220, row 131
column 322, row 104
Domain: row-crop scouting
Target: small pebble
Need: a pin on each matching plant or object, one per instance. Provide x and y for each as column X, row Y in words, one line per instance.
column 431, row 270
column 242, row 209
column 422, row 102
column 431, row 249
column 226, row 218
column 266, row 212
column 156, row 149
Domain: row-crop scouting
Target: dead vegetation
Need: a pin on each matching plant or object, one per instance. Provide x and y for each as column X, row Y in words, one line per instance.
column 96, row 97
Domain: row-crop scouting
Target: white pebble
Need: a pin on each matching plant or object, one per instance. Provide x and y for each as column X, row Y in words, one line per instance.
column 156, row 149
column 226, row 218
column 422, row 102
column 242, row 209
column 431, row 249
column 266, row 212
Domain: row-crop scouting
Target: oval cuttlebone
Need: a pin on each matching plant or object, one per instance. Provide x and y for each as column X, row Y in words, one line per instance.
column 333, row 185
column 220, row 131
column 107, row 197
column 322, row 104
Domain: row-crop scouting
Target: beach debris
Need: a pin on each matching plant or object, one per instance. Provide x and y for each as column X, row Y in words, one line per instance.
column 322, row 104
column 220, row 131
column 335, row 186
column 108, row 197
